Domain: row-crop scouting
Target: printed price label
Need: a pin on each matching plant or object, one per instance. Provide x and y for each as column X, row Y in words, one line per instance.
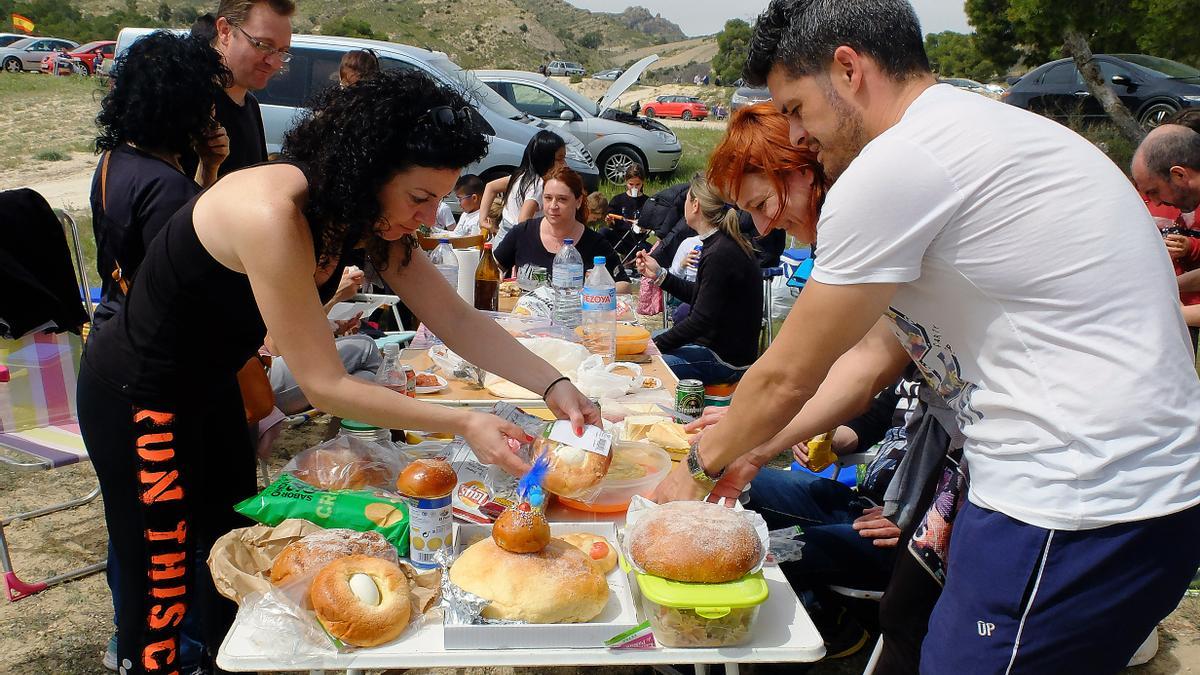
column 594, row 439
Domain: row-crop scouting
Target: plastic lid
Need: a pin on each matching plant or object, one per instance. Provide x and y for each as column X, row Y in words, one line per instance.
column 709, row 600
column 355, row 425
column 598, row 260
column 568, row 242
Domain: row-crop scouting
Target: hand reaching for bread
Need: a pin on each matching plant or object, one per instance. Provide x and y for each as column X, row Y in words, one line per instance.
column 489, row 436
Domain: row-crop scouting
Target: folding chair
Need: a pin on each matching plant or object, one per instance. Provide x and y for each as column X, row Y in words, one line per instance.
column 39, row 429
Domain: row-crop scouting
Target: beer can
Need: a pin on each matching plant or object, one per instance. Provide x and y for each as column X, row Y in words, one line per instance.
column 410, row 378
column 689, row 398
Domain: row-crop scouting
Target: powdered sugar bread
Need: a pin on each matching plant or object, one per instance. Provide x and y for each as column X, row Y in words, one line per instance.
column 695, row 542
column 558, row 584
column 313, row 551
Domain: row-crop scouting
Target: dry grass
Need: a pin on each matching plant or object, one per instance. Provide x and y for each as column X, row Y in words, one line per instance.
column 48, row 117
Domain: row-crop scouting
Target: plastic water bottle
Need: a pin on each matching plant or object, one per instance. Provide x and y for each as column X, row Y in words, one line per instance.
column 600, row 311
column 391, row 371
column 566, row 277
column 446, row 262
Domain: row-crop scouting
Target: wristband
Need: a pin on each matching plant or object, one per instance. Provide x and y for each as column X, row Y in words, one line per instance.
column 660, row 277
column 551, row 386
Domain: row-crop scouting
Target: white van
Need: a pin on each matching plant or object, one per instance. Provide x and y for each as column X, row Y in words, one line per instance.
column 314, row 67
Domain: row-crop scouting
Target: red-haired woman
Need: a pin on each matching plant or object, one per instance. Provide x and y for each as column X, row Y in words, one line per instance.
column 531, row 245
column 756, row 166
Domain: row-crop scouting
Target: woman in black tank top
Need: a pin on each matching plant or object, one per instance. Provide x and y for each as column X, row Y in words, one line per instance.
column 159, row 405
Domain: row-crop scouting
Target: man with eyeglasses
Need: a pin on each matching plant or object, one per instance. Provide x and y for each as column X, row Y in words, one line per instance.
column 253, row 36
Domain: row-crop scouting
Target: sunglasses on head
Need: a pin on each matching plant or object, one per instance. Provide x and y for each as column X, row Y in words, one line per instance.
column 448, row 118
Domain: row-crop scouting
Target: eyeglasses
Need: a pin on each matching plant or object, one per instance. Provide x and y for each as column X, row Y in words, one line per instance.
column 448, row 118
column 263, row 48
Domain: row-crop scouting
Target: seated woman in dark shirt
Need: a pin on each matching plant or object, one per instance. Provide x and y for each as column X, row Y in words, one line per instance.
column 139, row 182
column 532, row 245
column 623, row 212
column 718, row 340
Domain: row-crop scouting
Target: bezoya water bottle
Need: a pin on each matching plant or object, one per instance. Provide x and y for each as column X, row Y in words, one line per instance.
column 566, row 278
column 600, row 311
column 446, row 262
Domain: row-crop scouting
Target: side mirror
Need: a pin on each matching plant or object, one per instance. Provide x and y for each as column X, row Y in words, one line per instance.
column 1122, row 80
column 567, row 116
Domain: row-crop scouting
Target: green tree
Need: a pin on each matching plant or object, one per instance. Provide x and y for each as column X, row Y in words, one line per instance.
column 956, row 55
column 1046, row 29
column 590, row 40
column 349, row 27
column 733, row 47
column 164, row 12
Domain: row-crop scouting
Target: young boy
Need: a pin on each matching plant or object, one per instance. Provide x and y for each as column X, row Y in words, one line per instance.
column 469, row 190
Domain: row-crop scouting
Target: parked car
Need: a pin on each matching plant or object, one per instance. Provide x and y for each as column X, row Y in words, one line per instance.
column 614, row 137
column 27, row 53
column 1152, row 88
column 314, row 67
column 744, row 96
column 611, row 74
column 561, row 68
column 86, row 59
column 7, row 39
column 683, row 107
column 968, row 85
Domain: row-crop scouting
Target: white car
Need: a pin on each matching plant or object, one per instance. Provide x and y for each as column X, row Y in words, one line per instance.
column 615, row 138
column 561, row 68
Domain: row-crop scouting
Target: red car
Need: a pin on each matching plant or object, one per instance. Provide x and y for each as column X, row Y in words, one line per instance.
column 683, row 107
column 83, row 60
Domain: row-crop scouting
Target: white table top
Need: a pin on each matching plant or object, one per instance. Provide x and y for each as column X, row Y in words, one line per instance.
column 783, row 632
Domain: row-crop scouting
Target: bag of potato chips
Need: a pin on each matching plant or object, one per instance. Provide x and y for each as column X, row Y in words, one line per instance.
column 362, row 510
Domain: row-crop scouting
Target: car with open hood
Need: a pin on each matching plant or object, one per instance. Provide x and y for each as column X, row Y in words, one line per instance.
column 615, row 138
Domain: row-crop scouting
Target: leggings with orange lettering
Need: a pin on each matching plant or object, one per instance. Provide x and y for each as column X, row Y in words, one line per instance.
column 170, row 475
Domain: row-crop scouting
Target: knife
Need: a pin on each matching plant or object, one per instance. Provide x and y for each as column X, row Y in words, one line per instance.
column 686, row 419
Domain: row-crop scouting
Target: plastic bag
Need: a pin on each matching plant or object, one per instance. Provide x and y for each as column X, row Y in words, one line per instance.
column 456, row 366
column 348, row 463
column 538, row 303
column 362, row 510
column 650, row 298
column 597, row 380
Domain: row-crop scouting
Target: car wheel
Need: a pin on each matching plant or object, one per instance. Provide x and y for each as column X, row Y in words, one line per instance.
column 649, row 112
column 1156, row 113
column 12, row 64
column 79, row 69
column 615, row 161
column 687, row 115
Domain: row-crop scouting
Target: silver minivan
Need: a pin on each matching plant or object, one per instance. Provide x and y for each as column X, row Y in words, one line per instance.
column 314, row 67
column 615, row 138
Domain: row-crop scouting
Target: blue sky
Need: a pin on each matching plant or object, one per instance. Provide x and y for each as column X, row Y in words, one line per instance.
column 701, row 17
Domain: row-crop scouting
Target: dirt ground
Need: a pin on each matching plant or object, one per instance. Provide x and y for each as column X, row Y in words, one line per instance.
column 64, row 630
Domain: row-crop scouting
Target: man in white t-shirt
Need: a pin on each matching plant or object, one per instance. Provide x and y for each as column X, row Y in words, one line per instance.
column 979, row 235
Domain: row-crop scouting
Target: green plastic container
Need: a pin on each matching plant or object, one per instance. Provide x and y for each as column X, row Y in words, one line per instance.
column 702, row 615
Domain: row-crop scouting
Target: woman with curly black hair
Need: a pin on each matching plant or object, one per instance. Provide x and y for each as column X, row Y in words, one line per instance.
column 158, row 398
column 160, row 106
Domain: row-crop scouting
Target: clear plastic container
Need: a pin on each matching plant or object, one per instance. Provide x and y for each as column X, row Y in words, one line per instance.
column 364, row 431
column 636, row 469
column 702, row 615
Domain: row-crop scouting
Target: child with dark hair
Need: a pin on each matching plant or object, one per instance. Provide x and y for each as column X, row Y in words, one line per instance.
column 469, row 190
column 623, row 212
column 159, row 404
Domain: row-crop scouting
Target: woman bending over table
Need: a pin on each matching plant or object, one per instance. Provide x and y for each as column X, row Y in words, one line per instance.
column 532, row 245
column 159, row 404
column 718, row 340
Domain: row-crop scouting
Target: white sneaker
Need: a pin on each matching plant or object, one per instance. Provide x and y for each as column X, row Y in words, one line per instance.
column 110, row 654
column 1147, row 651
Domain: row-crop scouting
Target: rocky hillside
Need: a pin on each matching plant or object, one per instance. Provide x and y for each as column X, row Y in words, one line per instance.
column 477, row 33
column 654, row 25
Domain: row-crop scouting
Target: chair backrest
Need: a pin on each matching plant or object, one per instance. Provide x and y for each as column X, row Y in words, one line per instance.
column 473, row 241
column 42, row 369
